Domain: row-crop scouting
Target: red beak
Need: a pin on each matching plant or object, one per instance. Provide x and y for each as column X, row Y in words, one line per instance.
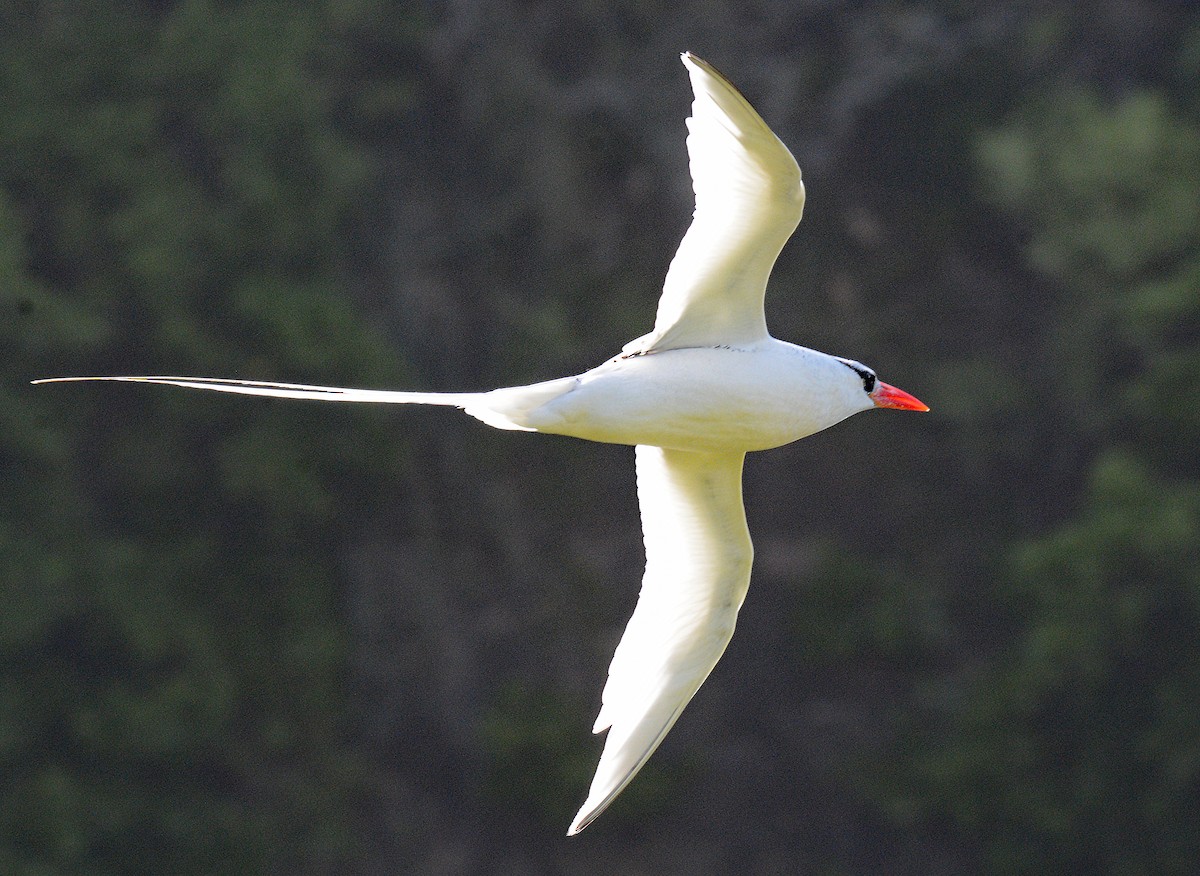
column 887, row 396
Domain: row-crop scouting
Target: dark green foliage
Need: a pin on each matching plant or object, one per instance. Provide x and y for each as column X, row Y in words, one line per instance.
column 1075, row 748
column 174, row 672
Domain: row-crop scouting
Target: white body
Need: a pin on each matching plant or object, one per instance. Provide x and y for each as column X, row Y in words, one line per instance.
column 704, row 387
column 733, row 399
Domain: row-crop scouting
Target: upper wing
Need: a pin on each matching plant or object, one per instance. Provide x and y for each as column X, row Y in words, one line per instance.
column 698, row 557
column 749, row 199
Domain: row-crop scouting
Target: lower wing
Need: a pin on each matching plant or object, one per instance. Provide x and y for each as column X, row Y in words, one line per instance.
column 698, row 557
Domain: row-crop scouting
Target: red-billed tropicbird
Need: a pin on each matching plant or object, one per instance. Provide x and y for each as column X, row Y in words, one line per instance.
column 694, row 395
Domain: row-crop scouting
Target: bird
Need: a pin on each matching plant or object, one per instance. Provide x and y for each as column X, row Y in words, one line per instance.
column 704, row 387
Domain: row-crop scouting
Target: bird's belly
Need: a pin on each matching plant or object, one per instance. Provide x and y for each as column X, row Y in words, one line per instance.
column 693, row 399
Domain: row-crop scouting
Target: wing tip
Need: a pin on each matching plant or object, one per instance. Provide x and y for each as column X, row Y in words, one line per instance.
column 589, row 812
column 694, row 62
column 577, row 826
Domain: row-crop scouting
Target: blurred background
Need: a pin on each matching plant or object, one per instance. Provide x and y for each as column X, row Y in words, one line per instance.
column 245, row 636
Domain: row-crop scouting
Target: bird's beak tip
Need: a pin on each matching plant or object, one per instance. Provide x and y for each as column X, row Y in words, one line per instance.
column 887, row 396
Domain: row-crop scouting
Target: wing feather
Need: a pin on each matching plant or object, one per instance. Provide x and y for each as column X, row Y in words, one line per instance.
column 749, row 199
column 698, row 557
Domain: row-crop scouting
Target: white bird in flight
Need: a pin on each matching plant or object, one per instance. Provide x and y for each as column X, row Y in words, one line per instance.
column 694, row 395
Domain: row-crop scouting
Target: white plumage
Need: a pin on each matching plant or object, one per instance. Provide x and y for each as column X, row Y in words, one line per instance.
column 698, row 556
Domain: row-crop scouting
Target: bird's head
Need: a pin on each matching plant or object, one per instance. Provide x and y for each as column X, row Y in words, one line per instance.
column 880, row 394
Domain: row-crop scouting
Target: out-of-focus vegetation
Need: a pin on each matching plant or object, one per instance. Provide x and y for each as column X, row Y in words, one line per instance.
column 178, row 194
column 250, row 636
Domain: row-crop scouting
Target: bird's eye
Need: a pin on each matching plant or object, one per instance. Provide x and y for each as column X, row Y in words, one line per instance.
column 868, row 382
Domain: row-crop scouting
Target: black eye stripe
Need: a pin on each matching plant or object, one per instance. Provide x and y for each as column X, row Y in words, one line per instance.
column 867, row 375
